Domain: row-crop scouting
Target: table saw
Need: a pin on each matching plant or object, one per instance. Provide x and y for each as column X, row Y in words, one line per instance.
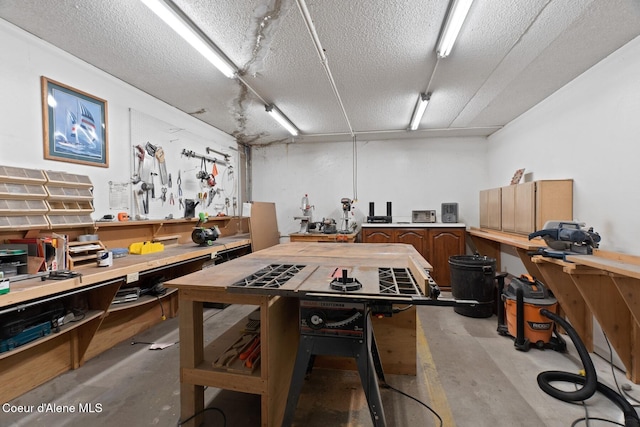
column 314, row 299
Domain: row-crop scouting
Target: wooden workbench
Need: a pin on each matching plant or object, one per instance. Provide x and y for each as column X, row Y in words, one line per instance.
column 279, row 334
column 102, row 325
column 322, row 237
column 488, row 243
column 603, row 285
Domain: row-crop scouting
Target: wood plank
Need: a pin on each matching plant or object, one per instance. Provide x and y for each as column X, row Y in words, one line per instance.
column 191, row 355
column 263, row 226
column 517, row 241
column 281, row 338
column 610, row 310
column 620, row 266
column 571, row 300
column 628, row 288
column 23, row 371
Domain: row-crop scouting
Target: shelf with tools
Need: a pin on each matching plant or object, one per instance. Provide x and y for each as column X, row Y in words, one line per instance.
column 237, row 350
column 278, row 334
column 22, row 199
column 82, row 254
column 104, row 324
column 123, row 233
column 146, row 299
column 70, row 199
column 9, row 350
column 32, row 199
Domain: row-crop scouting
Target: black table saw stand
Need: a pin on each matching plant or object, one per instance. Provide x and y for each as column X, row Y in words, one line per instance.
column 363, row 349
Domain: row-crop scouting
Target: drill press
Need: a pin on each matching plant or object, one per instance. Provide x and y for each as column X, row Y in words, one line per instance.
column 346, row 210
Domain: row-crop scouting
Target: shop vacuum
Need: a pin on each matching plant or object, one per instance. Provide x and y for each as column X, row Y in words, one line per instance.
column 531, row 319
column 522, row 301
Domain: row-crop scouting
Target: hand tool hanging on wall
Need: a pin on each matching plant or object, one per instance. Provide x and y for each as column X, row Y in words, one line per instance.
column 150, row 148
column 152, row 186
column 162, row 165
column 145, row 202
column 138, row 153
column 179, row 182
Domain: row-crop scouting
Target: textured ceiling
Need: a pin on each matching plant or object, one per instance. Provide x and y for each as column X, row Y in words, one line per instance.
column 511, row 54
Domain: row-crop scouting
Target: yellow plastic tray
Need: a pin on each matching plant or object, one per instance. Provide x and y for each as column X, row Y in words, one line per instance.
column 141, row 248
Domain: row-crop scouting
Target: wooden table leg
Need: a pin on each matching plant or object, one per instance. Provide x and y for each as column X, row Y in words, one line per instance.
column 191, row 355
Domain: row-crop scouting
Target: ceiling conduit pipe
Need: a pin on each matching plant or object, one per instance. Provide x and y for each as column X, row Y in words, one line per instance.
column 323, row 58
column 306, row 16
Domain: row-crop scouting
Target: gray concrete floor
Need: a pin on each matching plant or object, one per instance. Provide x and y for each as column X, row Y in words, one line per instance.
column 467, row 373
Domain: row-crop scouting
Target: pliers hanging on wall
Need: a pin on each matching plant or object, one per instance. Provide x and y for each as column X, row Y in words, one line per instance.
column 179, row 183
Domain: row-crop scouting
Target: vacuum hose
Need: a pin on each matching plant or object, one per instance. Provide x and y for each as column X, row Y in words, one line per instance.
column 589, row 382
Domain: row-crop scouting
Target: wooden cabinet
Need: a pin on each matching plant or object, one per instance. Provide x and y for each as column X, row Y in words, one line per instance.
column 435, row 244
column 525, row 208
column 415, row 237
column 444, row 242
column 491, row 208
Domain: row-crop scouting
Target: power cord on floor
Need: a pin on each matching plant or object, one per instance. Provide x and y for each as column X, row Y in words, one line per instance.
column 386, row 385
column 224, row 418
column 579, row 420
column 625, row 388
column 588, row 380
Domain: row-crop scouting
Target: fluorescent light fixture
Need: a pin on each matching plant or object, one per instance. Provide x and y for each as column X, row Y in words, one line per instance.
column 282, row 119
column 418, row 112
column 455, row 18
column 180, row 24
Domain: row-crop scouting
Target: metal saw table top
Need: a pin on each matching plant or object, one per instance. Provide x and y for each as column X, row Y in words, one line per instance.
column 300, row 268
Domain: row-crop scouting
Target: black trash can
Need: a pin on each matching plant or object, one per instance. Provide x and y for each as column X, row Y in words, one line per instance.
column 472, row 278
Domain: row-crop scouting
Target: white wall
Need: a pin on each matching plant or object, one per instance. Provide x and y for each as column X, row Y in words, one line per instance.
column 589, row 131
column 24, row 58
column 412, row 174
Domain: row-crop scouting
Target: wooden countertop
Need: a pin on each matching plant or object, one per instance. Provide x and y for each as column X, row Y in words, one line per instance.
column 30, row 289
column 514, row 240
column 624, row 265
column 414, row 225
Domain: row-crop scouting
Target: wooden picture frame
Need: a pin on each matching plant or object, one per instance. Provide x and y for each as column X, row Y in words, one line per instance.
column 74, row 124
column 517, row 176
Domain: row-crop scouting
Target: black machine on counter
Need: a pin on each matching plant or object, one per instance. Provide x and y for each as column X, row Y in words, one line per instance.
column 204, row 236
column 566, row 238
column 372, row 218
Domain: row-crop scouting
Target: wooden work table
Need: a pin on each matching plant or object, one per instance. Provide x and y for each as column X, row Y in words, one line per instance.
column 279, row 333
column 603, row 285
column 323, row 237
column 488, row 243
column 101, row 324
column 30, row 289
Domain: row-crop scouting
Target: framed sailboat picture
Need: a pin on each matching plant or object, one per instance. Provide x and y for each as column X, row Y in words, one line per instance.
column 74, row 124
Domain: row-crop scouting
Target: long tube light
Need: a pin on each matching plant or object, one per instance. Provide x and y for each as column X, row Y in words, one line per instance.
column 418, row 112
column 455, row 18
column 180, row 24
column 282, row 119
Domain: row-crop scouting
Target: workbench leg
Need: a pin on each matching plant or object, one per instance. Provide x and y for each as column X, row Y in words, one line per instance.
column 365, row 351
column 376, row 354
column 369, row 378
column 191, row 355
column 297, row 379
